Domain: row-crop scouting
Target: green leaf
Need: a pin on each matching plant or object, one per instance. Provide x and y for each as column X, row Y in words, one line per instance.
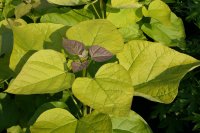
column 32, row 37
column 132, row 32
column 127, row 16
column 43, row 73
column 110, row 91
column 133, row 123
column 55, row 120
column 170, row 35
column 94, row 123
column 15, row 129
column 125, row 3
column 70, row 18
column 158, row 10
column 22, row 9
column 156, row 70
column 45, row 107
column 6, row 45
column 103, row 33
column 68, row 2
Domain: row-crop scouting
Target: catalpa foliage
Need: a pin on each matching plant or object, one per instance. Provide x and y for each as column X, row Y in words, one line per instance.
column 84, row 65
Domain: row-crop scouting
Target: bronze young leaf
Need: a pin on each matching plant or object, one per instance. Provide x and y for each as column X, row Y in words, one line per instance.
column 73, row 47
column 99, row 54
column 78, row 66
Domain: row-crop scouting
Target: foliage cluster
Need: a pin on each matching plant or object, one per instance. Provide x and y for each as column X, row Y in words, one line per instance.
column 75, row 65
column 184, row 110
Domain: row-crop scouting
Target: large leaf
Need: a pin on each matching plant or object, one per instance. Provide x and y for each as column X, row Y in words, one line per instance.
column 125, row 3
column 43, row 73
column 127, row 16
column 55, row 120
column 94, row 123
column 133, row 123
column 170, row 35
column 6, row 45
column 110, row 91
column 70, row 18
column 156, row 70
column 31, row 37
column 102, row 33
column 158, row 10
column 68, row 2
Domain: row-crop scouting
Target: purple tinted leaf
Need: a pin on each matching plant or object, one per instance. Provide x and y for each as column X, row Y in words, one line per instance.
column 73, row 47
column 78, row 66
column 99, row 54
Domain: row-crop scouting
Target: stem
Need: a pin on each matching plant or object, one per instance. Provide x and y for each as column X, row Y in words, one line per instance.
column 102, row 10
column 84, row 110
column 76, row 104
column 84, row 73
column 96, row 11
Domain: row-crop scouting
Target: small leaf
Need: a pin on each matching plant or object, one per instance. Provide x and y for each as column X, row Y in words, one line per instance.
column 99, row 54
column 158, row 10
column 22, row 9
column 73, row 47
column 78, row 66
column 55, row 120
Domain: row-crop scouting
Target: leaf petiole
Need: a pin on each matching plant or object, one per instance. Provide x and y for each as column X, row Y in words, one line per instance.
column 96, row 11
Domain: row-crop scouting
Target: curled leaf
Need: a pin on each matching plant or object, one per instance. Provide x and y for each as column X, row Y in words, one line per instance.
column 99, row 54
column 78, row 66
column 73, row 47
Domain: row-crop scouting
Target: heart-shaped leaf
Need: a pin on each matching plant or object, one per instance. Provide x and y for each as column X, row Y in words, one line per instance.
column 78, row 66
column 32, row 37
column 103, row 33
column 169, row 35
column 73, row 47
column 133, row 123
column 94, row 123
column 99, row 54
column 43, row 73
column 55, row 120
column 110, row 91
column 158, row 10
column 155, row 69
